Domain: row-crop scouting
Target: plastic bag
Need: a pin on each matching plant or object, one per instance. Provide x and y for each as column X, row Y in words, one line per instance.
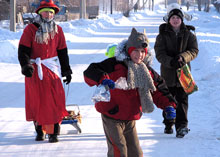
column 101, row 93
column 121, row 83
column 186, row 80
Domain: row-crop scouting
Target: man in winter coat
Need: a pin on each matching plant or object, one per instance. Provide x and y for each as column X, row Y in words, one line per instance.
column 143, row 88
column 42, row 49
column 175, row 46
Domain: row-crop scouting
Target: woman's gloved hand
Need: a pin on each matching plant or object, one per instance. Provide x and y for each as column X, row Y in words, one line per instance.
column 27, row 70
column 68, row 79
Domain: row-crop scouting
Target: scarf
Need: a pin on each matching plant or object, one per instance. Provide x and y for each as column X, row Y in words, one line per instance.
column 139, row 77
column 46, row 31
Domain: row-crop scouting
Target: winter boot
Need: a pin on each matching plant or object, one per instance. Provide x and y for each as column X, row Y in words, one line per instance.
column 168, row 129
column 53, row 138
column 40, row 137
column 40, row 134
column 181, row 132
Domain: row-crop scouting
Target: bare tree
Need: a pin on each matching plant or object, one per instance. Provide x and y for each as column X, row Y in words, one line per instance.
column 152, row 4
column 127, row 10
column 132, row 2
column 207, row 5
column 199, row 5
column 165, row 2
column 144, row 3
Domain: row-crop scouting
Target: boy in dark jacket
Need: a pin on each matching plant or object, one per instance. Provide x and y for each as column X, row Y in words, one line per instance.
column 144, row 87
column 175, row 46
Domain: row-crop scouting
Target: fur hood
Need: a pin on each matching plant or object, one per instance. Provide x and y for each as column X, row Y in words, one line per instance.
column 121, row 54
column 167, row 27
column 138, row 76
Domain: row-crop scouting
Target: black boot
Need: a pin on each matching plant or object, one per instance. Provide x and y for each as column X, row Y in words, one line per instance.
column 168, row 129
column 53, row 137
column 40, row 137
column 40, row 134
column 181, row 132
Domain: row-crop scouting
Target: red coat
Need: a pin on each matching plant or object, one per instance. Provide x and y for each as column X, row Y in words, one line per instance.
column 124, row 104
column 44, row 99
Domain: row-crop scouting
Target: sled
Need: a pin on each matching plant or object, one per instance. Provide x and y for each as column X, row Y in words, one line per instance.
column 74, row 117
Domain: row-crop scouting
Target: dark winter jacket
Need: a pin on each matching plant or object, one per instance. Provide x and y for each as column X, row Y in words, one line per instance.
column 124, row 104
column 169, row 45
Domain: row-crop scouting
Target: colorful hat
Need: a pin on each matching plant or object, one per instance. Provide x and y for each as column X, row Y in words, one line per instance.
column 111, row 50
column 48, row 4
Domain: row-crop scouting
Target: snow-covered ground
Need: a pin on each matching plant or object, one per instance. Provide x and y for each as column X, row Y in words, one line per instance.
column 87, row 41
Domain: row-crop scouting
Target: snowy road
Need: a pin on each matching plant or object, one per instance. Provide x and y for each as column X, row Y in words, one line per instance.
column 17, row 135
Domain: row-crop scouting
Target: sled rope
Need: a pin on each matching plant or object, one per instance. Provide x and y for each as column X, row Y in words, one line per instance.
column 66, row 91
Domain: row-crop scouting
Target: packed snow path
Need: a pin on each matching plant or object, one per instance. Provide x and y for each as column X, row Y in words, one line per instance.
column 89, row 45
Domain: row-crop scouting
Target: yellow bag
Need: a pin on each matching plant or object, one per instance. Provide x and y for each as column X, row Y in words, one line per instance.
column 186, row 80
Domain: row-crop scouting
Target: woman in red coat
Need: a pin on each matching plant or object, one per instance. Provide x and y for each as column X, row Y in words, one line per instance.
column 44, row 60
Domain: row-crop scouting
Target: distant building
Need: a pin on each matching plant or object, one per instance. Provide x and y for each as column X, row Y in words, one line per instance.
column 69, row 8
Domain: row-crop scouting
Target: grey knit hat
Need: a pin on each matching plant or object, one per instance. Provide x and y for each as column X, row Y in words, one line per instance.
column 137, row 40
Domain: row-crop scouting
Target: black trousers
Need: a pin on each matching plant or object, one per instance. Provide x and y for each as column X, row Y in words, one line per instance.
column 181, row 110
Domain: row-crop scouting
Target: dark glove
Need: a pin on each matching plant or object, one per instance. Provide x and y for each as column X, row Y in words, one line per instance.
column 27, row 70
column 177, row 62
column 109, row 83
column 170, row 112
column 68, row 79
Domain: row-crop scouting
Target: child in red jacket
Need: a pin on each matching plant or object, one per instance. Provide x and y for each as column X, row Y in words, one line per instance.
column 144, row 87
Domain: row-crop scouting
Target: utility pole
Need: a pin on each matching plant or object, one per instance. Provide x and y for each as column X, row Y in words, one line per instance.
column 83, row 9
column 111, row 7
column 165, row 2
column 103, row 3
column 13, row 15
column 152, row 5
